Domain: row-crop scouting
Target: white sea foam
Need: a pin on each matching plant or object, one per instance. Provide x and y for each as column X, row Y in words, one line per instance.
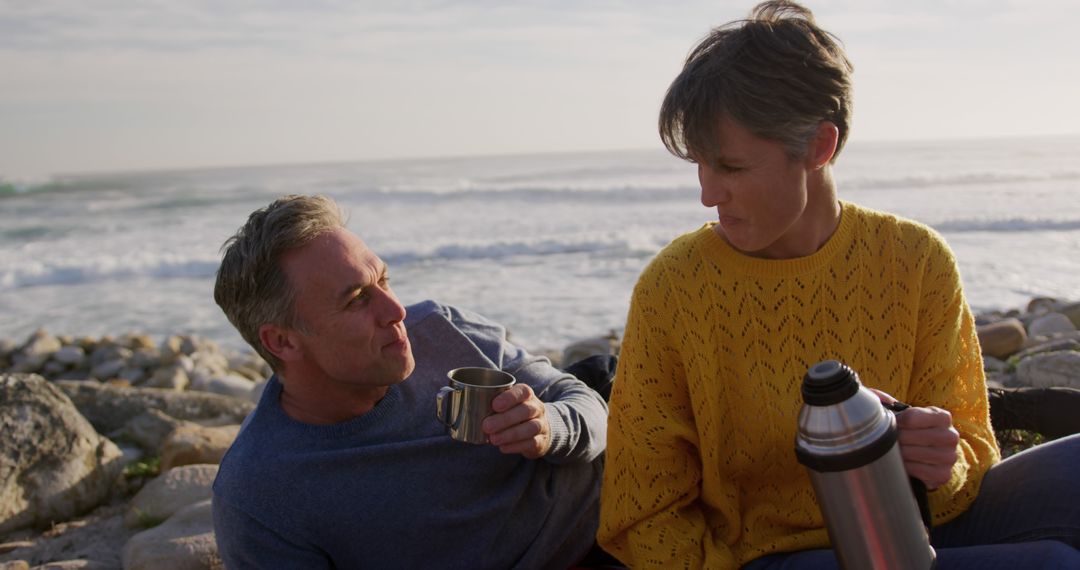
column 1007, row 225
column 104, row 268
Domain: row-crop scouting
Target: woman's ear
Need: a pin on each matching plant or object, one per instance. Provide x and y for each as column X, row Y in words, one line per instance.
column 823, row 146
column 279, row 341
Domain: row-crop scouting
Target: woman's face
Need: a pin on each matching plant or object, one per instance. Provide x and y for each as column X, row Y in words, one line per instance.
column 760, row 195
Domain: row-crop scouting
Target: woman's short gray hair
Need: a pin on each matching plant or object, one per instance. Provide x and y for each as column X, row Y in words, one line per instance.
column 776, row 73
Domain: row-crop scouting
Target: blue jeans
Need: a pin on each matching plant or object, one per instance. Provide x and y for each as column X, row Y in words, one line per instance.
column 1027, row 515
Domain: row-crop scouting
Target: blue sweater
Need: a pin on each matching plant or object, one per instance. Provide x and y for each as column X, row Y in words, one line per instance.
column 390, row 489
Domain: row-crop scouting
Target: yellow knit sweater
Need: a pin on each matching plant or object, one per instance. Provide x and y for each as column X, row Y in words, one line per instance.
column 701, row 469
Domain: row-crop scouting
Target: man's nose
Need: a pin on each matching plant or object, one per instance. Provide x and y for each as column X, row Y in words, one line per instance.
column 391, row 311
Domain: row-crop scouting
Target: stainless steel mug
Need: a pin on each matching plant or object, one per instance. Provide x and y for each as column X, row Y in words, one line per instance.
column 463, row 405
column 848, row 442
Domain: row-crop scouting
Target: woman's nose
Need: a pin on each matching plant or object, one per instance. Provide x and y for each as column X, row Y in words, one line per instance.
column 713, row 189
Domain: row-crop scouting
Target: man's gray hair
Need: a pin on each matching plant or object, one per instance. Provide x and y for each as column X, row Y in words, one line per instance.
column 252, row 288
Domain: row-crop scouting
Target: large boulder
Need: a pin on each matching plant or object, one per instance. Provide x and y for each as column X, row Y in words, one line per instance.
column 170, row 492
column 110, row 407
column 184, row 542
column 53, row 464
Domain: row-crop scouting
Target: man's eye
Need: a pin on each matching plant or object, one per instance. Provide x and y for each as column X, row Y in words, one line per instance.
column 361, row 298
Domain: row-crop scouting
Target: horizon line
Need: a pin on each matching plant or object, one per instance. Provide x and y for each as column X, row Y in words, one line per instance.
column 166, row 169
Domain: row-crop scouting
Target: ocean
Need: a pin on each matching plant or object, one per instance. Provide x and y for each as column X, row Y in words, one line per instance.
column 548, row 244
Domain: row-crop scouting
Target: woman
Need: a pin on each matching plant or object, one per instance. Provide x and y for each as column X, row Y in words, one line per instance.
column 725, row 321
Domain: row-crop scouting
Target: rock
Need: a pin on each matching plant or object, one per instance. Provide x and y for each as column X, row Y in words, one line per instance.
column 53, row 465
column 170, row 378
column 7, row 347
column 230, row 385
column 170, row 350
column 991, row 364
column 15, row 565
column 184, row 542
column 137, row 341
column 110, row 407
column 247, row 372
column 87, row 343
column 52, row 369
column 14, row 545
column 191, row 444
column 1048, row 346
column 93, row 542
column 257, row 391
column 168, row 493
column 213, row 363
column 250, row 366
column 190, row 344
column 1002, row 338
column 108, row 352
column 1040, row 305
column 132, row 374
column 1050, row 323
column 149, row 430
column 1050, row 369
column 35, row 352
column 73, row 565
column 1072, row 310
column 186, row 364
column 145, row 358
column 108, row 369
column 1037, row 341
column 79, row 374
column 71, row 355
column 208, row 367
column 1002, row 379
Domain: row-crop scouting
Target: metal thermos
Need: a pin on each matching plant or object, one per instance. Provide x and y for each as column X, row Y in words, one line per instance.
column 848, row 442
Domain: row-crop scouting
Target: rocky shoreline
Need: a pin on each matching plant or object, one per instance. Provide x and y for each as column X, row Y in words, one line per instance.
column 111, row 443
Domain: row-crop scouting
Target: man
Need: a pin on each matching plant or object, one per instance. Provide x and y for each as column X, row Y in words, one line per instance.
column 725, row 321
column 343, row 463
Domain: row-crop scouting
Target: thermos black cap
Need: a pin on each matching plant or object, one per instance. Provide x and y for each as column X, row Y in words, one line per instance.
column 829, row 382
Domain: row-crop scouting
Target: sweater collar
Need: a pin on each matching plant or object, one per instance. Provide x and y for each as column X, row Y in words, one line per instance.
column 733, row 259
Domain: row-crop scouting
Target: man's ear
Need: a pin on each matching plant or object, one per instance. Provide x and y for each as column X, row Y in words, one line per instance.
column 279, row 341
column 823, row 145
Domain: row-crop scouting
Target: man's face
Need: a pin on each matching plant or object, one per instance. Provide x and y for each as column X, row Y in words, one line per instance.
column 352, row 330
column 759, row 192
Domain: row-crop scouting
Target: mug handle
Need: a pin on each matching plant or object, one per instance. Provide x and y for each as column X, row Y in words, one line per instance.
column 440, row 406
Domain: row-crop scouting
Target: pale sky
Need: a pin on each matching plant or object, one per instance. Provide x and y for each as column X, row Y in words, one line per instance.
column 106, row 85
